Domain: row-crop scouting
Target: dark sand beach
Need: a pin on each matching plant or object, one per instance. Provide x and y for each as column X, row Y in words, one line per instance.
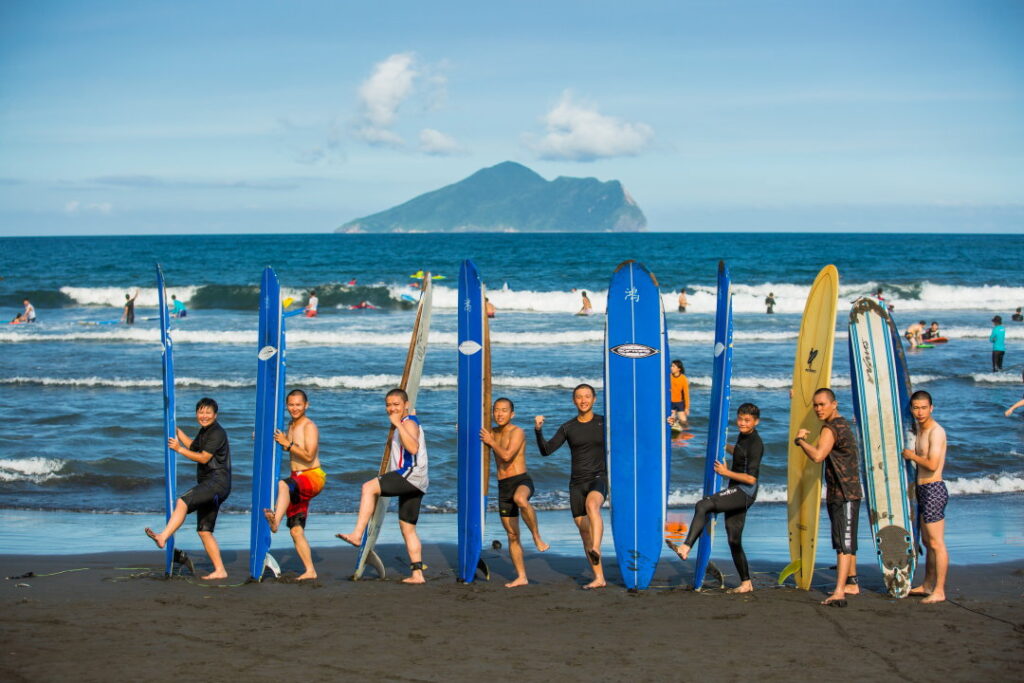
column 117, row 621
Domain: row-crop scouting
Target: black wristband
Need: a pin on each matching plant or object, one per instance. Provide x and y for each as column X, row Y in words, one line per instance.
column 796, row 440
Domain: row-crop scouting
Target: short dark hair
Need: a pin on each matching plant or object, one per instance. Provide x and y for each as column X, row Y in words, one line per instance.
column 511, row 405
column 826, row 390
column 921, row 322
column 921, row 395
column 300, row 392
column 207, row 402
column 749, row 409
column 586, row 386
column 935, row 322
column 584, row 292
column 398, row 392
column 680, row 364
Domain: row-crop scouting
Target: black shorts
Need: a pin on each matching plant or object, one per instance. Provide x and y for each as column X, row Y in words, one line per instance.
column 409, row 497
column 578, row 494
column 679, row 406
column 844, row 514
column 507, row 488
column 205, row 499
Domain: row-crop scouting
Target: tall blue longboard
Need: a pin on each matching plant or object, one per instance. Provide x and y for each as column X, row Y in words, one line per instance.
column 473, row 412
column 266, row 454
column 637, row 435
column 718, row 415
column 170, row 429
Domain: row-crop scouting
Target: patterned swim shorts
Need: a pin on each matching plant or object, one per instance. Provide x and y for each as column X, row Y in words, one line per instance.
column 931, row 501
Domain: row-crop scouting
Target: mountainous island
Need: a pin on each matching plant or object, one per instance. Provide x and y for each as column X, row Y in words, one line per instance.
column 509, row 197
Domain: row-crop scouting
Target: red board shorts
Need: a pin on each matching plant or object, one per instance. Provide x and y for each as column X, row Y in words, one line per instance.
column 303, row 486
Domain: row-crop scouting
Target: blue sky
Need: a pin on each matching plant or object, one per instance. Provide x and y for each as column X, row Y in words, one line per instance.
column 141, row 117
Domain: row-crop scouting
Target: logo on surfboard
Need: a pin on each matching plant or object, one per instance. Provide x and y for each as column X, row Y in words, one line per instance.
column 810, row 359
column 267, row 352
column 469, row 347
column 632, row 295
column 633, row 351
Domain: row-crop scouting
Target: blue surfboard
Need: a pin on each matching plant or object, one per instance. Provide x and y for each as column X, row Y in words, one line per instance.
column 906, row 390
column 170, row 429
column 474, row 389
column 266, row 454
column 718, row 415
column 636, row 431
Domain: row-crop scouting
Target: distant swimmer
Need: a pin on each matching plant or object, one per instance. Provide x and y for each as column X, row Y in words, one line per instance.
column 769, row 303
column 178, row 309
column 210, row 451
column 998, row 339
column 352, row 282
column 588, row 478
column 680, row 395
column 407, row 479
column 682, row 300
column 1017, row 316
column 302, row 443
column 18, row 319
column 515, row 486
column 362, row 305
column 128, row 316
column 29, row 315
column 914, row 332
column 926, row 446
column 932, row 332
column 489, row 307
column 312, row 304
column 588, row 308
column 735, row 500
column 879, row 297
column 1018, row 404
column 891, row 309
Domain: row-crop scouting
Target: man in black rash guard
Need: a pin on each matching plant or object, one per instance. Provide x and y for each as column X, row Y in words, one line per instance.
column 588, row 481
column 212, row 455
column 737, row 498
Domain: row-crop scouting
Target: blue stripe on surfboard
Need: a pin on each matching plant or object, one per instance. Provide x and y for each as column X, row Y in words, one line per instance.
column 471, row 500
column 170, row 431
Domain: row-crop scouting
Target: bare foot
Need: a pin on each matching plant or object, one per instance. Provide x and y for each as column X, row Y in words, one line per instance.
column 520, row 581
column 920, row 590
column 351, row 538
column 222, row 574
column 937, row 596
column 272, row 519
column 852, row 589
column 541, row 545
column 417, row 577
column 596, row 583
column 156, row 539
column 306, row 576
column 682, row 550
column 835, row 600
column 745, row 587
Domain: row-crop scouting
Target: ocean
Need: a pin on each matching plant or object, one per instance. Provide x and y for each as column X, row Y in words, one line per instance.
column 81, row 403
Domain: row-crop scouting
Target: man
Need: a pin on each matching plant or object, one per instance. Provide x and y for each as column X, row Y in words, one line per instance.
column 769, row 303
column 312, row 304
column 588, row 480
column 680, row 395
column 29, row 315
column 998, row 339
column 178, row 309
column 302, row 443
column 515, row 486
column 587, row 308
column 1017, row 316
column 932, row 332
column 1018, row 404
column 837, row 448
column 128, row 316
column 210, row 451
column 682, row 300
column 913, row 333
column 926, row 446
column 489, row 308
column 407, row 480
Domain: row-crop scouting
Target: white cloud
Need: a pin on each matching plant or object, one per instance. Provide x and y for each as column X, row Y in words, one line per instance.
column 437, row 143
column 579, row 132
column 76, row 207
column 381, row 94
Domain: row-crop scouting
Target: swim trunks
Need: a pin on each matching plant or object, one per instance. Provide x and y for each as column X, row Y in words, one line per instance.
column 507, row 488
column 409, row 497
column 303, row 486
column 578, row 494
column 931, row 501
column 843, row 515
column 205, row 499
column 679, row 406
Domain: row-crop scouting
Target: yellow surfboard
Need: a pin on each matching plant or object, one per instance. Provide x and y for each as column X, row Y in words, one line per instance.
column 812, row 370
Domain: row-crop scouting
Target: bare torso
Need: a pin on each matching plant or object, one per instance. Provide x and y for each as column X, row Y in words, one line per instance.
column 504, row 438
column 931, row 444
column 306, row 437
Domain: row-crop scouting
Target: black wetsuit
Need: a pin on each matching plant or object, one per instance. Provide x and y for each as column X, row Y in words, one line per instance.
column 589, row 467
column 733, row 501
column 213, row 477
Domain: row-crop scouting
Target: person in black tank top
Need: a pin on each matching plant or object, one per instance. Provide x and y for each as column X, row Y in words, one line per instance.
column 736, row 498
column 588, row 481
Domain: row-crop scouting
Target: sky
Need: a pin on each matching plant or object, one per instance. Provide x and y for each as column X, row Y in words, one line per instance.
column 140, row 117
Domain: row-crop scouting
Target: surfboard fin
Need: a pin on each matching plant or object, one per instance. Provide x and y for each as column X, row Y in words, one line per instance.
column 270, row 563
column 484, row 570
column 790, row 569
column 374, row 561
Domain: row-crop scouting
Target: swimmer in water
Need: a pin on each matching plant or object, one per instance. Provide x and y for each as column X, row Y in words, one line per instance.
column 588, row 308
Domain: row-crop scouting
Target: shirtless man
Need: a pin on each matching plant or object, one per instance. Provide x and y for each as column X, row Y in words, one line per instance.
column 837, row 448
column 682, row 300
column 588, row 481
column 926, row 446
column 210, row 451
column 407, row 479
column 587, row 308
column 515, row 487
column 302, row 443
column 914, row 332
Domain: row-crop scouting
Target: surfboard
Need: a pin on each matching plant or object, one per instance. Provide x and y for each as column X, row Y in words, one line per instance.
column 411, row 374
column 266, row 453
column 718, row 416
column 878, row 405
column 473, row 414
column 170, row 428
column 636, row 428
column 812, row 370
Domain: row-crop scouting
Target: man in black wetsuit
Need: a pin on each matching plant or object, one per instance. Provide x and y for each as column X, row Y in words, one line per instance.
column 736, row 498
column 588, row 481
column 212, row 455
column 128, row 317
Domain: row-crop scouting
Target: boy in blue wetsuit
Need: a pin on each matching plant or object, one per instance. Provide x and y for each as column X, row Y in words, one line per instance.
column 178, row 309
